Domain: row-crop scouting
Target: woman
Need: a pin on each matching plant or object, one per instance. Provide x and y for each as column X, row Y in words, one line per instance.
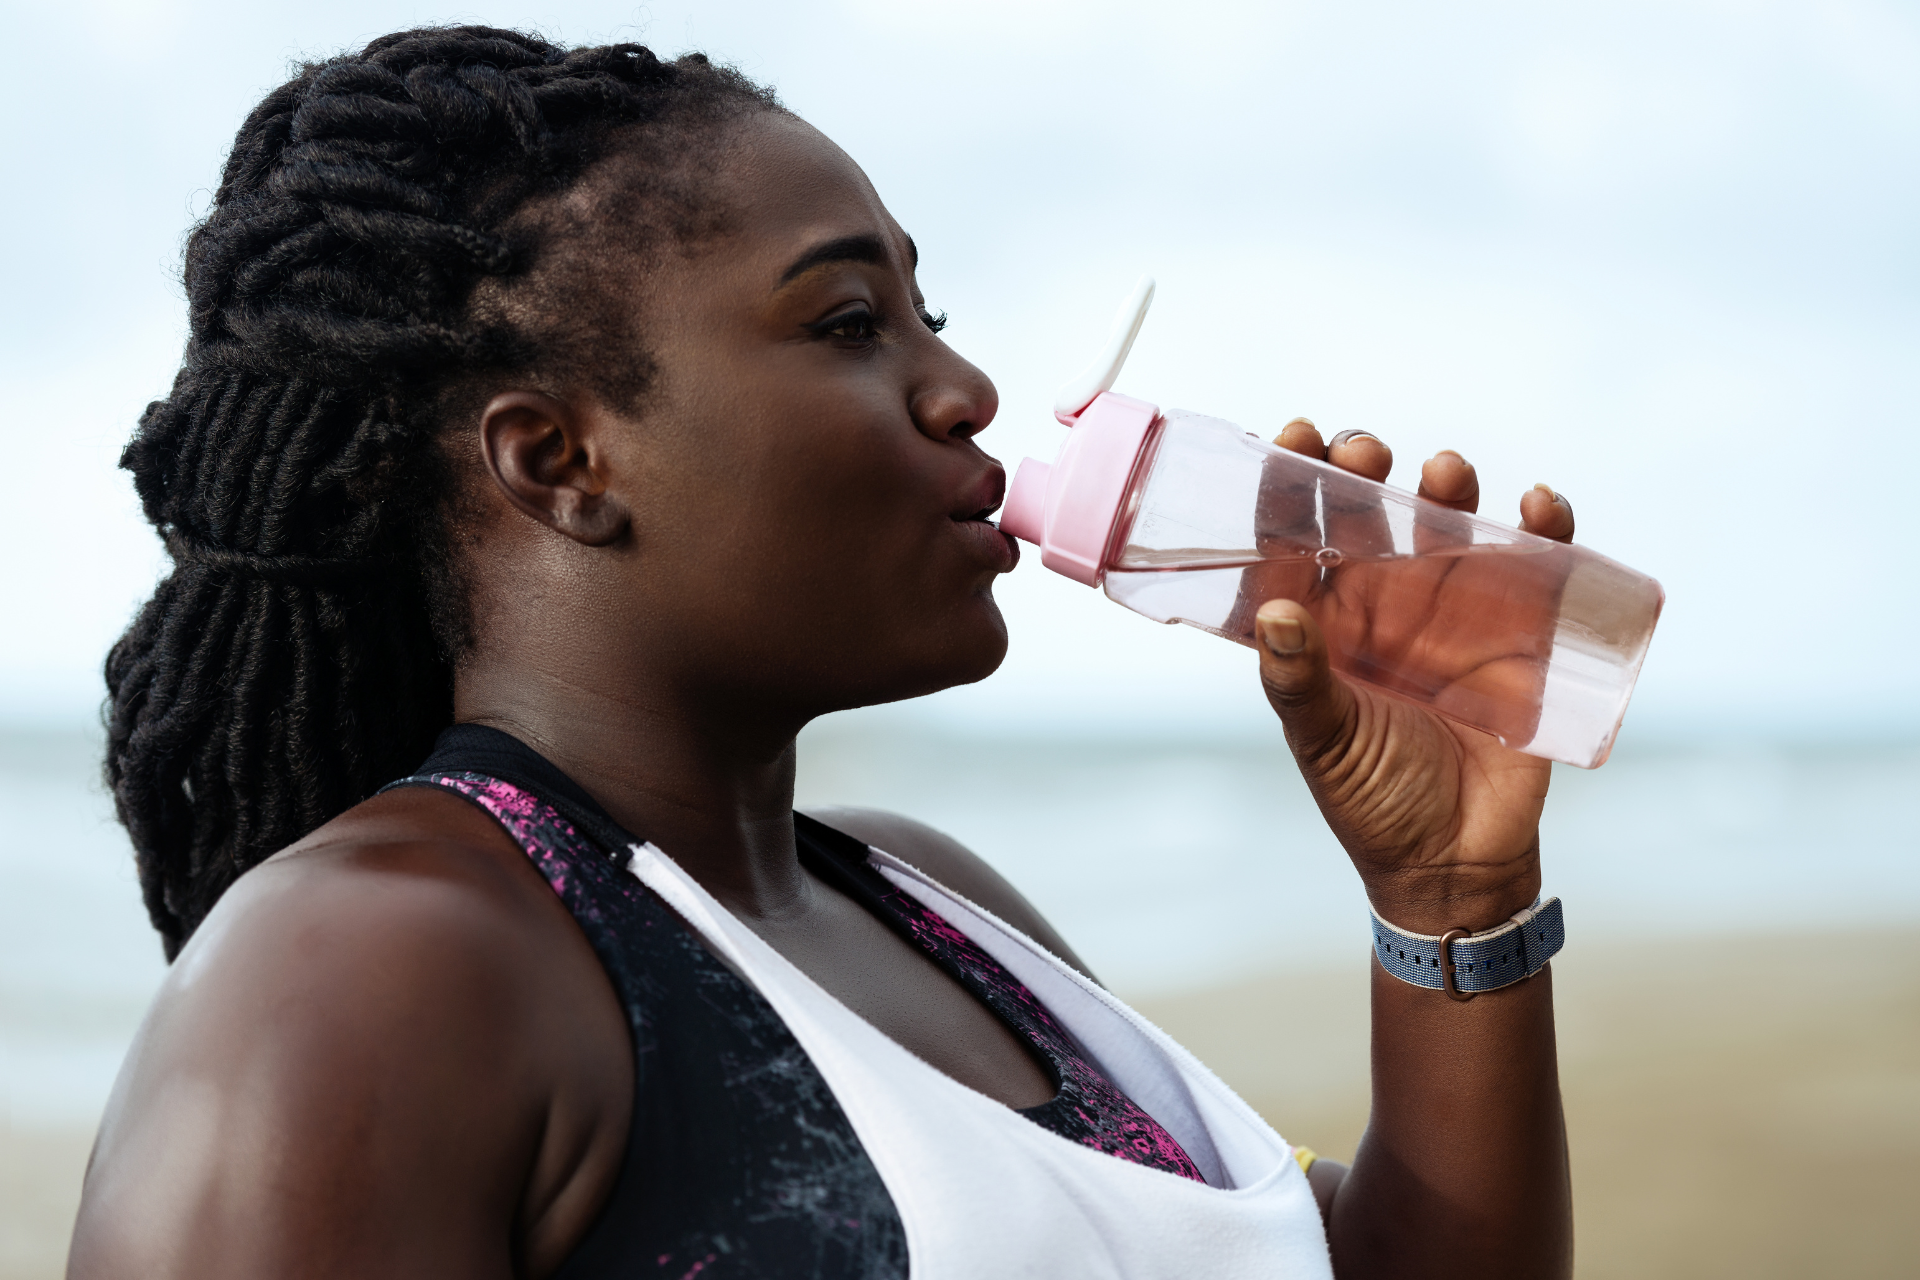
column 572, row 422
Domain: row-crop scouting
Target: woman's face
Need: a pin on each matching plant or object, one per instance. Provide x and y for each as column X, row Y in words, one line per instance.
column 806, row 496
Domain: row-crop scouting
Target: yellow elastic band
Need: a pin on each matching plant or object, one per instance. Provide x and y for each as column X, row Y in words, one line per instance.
column 1305, row 1156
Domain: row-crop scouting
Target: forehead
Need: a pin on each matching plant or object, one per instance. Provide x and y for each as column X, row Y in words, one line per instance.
column 786, row 187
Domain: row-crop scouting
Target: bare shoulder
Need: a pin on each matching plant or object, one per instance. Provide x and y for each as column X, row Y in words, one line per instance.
column 952, row 864
column 383, row 1045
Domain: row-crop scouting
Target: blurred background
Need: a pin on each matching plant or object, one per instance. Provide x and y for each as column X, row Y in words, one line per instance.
column 1662, row 256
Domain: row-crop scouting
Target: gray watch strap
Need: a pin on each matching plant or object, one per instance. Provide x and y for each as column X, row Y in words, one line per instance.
column 1482, row 961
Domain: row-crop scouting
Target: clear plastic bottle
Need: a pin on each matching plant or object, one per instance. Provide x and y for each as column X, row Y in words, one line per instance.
column 1185, row 518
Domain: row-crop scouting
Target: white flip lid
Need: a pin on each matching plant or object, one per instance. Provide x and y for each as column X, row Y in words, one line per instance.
column 1099, row 376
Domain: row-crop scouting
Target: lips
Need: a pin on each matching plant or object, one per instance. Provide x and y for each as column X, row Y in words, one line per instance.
column 971, row 517
column 983, row 497
column 995, row 549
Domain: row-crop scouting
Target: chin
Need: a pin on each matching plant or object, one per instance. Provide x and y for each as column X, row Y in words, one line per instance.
column 965, row 650
column 981, row 663
column 984, row 646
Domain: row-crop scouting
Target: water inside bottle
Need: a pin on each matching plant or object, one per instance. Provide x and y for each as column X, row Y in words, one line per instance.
column 1534, row 641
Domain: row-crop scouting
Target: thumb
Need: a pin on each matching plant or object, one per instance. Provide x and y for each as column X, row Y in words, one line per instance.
column 1315, row 706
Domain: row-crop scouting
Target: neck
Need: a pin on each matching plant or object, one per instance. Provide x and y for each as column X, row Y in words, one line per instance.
column 711, row 786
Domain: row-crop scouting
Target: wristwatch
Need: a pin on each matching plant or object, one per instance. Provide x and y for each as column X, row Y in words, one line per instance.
column 1463, row 964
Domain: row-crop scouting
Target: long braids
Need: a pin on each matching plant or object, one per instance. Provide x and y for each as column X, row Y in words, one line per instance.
column 300, row 652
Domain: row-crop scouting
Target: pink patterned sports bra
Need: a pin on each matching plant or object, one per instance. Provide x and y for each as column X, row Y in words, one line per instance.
column 1087, row 1108
column 738, row 1151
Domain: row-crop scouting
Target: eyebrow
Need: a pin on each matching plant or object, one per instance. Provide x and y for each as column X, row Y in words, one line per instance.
column 860, row 248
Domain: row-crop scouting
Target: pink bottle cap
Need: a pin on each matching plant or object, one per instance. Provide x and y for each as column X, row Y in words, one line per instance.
column 1070, row 509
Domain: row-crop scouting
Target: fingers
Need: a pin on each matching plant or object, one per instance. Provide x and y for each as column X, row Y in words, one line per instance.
column 1285, row 519
column 1446, row 479
column 1546, row 513
column 1362, row 453
column 1301, row 436
column 1450, row 480
column 1356, row 515
column 1314, row 706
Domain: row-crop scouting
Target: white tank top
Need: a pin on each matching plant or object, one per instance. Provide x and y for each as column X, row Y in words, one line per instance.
column 984, row 1192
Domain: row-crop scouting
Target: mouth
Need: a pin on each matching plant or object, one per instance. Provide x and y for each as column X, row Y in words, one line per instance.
column 974, row 519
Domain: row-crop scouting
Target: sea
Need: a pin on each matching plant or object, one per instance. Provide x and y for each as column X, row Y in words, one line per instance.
column 1169, row 864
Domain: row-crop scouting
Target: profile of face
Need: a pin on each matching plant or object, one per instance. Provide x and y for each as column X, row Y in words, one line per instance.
column 793, row 516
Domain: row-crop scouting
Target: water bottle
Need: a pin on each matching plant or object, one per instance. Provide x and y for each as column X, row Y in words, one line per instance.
column 1186, row 518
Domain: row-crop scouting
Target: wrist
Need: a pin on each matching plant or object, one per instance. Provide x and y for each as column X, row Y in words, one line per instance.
column 1434, row 900
column 1465, row 964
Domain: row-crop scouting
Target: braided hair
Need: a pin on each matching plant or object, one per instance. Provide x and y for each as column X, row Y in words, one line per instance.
column 376, row 250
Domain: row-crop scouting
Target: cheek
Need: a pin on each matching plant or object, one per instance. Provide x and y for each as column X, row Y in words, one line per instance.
column 831, row 505
column 825, row 523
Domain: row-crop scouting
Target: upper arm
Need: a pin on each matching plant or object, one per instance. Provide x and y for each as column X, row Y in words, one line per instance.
column 953, row 865
column 343, row 1074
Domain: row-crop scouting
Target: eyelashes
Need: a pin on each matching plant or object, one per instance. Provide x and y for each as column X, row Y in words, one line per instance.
column 862, row 326
column 858, row 325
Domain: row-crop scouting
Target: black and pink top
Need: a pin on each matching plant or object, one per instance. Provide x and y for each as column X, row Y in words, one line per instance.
column 739, row 1159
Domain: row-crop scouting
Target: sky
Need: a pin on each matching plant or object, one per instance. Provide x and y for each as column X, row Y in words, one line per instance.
column 1662, row 256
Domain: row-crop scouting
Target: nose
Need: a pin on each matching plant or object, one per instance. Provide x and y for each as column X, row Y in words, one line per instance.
column 957, row 401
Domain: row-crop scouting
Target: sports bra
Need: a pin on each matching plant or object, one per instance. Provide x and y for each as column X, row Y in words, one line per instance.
column 743, row 1156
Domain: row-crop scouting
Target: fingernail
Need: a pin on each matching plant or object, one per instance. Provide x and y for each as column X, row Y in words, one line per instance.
column 1346, row 436
column 1549, row 491
column 1285, row 636
column 1300, row 422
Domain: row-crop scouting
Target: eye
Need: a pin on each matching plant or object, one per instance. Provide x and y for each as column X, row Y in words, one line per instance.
column 858, row 325
column 934, row 320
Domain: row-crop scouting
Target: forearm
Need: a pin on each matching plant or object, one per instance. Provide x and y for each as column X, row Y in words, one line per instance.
column 1463, row 1168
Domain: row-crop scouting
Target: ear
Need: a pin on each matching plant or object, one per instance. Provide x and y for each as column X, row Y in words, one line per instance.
column 546, row 457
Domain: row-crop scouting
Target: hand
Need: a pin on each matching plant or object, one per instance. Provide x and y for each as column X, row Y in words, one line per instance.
column 1442, row 821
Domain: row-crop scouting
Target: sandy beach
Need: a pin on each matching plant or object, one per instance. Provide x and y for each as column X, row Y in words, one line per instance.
column 1743, row 1107
column 1746, row 1107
